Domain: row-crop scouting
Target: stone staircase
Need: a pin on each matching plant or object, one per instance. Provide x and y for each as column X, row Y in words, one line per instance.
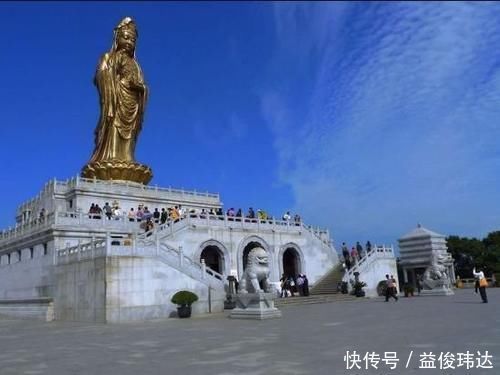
column 323, row 298
column 328, row 283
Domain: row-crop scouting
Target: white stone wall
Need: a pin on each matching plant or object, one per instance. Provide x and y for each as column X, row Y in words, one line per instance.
column 141, row 288
column 316, row 258
column 28, row 278
column 80, row 294
column 376, row 271
column 117, row 289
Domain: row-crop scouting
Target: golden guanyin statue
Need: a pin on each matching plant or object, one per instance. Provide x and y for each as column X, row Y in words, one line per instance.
column 123, row 95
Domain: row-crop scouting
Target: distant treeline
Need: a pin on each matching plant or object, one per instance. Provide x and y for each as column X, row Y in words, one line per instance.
column 470, row 252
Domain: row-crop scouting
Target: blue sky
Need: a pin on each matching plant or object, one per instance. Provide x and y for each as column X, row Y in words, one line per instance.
column 366, row 118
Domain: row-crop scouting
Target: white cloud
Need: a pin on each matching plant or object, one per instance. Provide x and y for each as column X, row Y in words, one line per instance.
column 401, row 123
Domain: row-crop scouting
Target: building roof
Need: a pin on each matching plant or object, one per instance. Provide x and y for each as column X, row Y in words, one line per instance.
column 419, row 232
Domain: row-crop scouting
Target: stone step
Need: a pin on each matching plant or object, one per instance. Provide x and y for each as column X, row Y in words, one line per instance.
column 323, row 298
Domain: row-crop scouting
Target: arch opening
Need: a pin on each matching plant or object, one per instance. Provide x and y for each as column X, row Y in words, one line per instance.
column 214, row 258
column 291, row 262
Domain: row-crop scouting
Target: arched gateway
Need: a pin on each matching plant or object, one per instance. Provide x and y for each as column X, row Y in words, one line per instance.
column 215, row 256
column 291, row 260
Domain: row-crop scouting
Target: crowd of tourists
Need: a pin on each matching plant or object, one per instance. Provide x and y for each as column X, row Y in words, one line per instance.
column 177, row 212
column 291, row 285
column 356, row 254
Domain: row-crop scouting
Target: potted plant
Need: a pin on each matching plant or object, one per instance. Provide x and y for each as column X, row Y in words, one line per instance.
column 408, row 290
column 381, row 287
column 184, row 299
column 358, row 288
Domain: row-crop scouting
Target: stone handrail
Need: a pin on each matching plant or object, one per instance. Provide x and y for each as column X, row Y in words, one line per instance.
column 97, row 220
column 376, row 252
column 116, row 245
column 27, row 228
column 69, row 218
column 237, row 222
column 177, row 259
column 123, row 223
column 87, row 182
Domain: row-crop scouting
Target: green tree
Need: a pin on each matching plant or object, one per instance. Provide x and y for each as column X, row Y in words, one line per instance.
column 471, row 252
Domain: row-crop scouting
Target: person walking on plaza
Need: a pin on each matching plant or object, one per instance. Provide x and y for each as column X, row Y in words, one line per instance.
column 305, row 286
column 419, row 284
column 389, row 289
column 483, row 283
column 300, row 285
column 283, row 285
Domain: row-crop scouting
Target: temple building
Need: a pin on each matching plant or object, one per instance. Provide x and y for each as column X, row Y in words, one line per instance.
column 60, row 262
column 417, row 249
column 65, row 259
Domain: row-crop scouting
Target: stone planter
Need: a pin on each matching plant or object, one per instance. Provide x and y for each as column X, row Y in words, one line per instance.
column 184, row 311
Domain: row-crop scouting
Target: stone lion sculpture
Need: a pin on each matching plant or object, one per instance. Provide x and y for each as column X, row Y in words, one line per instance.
column 436, row 275
column 256, row 272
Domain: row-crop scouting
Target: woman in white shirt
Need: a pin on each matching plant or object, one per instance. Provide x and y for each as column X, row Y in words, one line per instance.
column 482, row 284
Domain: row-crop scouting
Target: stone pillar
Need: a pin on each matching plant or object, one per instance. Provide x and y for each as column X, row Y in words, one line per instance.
column 230, row 302
column 453, row 278
column 405, row 275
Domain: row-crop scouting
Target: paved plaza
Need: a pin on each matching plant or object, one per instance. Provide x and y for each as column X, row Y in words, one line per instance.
column 309, row 339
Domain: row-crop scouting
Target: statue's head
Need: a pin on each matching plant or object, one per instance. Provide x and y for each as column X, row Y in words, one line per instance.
column 258, row 257
column 126, row 36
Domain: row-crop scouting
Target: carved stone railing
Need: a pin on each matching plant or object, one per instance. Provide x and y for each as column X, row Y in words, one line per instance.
column 360, row 265
column 111, row 186
column 233, row 222
column 27, row 228
column 114, row 245
column 96, row 220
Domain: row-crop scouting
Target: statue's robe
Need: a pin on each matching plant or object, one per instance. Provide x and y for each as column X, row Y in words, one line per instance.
column 122, row 107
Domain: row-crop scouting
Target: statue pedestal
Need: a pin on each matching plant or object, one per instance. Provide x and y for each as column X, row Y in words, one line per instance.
column 440, row 291
column 118, row 170
column 256, row 306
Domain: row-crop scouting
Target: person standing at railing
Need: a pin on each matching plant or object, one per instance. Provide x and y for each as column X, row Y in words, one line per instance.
column 220, row 213
column 354, row 255
column 41, row 216
column 140, row 213
column 359, row 249
column 483, row 283
column 98, row 211
column 345, row 253
column 297, row 219
column 117, row 213
column 287, row 217
column 368, row 247
column 163, row 216
column 174, row 214
column 251, row 213
column 108, row 211
column 156, row 215
column 131, row 215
